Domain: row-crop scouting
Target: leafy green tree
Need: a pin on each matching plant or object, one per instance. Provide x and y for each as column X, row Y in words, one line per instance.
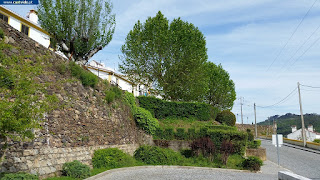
column 221, row 89
column 169, row 58
column 80, row 27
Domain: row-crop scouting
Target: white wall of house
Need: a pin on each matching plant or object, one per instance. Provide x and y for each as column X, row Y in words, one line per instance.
column 297, row 135
column 16, row 21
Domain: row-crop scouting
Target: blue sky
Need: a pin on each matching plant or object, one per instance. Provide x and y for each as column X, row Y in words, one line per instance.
column 245, row 37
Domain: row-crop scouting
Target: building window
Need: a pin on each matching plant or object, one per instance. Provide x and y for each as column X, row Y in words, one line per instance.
column 4, row 17
column 25, row 29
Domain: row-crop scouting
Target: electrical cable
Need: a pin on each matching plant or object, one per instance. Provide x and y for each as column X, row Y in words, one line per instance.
column 280, row 100
column 292, row 35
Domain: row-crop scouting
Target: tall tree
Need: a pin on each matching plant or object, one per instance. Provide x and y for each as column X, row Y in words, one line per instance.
column 221, row 92
column 80, row 27
column 167, row 57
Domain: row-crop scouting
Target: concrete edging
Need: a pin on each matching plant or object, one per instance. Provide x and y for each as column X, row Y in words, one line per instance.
column 286, row 175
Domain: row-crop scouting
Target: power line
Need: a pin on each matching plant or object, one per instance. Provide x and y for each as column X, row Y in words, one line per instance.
column 310, row 86
column 292, row 35
column 282, row 100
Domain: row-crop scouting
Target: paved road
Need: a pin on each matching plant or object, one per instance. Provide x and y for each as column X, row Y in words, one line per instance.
column 269, row 171
column 300, row 162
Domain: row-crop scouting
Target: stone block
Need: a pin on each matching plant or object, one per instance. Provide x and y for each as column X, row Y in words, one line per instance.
column 261, row 153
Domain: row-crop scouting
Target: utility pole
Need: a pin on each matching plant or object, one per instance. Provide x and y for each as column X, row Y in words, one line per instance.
column 302, row 120
column 255, row 120
column 241, row 110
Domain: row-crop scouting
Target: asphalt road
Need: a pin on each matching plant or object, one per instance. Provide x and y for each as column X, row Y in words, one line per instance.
column 181, row 173
column 298, row 161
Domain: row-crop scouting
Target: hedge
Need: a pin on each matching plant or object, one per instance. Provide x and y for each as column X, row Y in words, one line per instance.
column 162, row 109
column 238, row 138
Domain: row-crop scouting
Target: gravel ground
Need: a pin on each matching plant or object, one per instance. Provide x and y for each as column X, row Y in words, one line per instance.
column 299, row 161
column 268, row 171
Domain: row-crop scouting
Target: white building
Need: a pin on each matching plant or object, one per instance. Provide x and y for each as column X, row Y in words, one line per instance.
column 311, row 135
column 28, row 26
column 115, row 78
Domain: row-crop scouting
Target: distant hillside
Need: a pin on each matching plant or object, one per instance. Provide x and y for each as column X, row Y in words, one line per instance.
column 285, row 122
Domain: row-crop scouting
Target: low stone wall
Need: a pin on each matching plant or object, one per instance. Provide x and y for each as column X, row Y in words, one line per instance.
column 175, row 145
column 261, row 153
column 47, row 162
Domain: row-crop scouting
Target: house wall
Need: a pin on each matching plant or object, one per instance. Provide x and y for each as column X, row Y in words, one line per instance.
column 40, row 37
column 311, row 136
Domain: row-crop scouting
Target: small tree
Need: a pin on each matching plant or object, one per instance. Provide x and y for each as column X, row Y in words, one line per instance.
column 226, row 150
column 81, row 28
column 203, row 146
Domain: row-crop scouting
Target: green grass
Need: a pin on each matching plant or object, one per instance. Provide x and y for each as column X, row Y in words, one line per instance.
column 183, row 123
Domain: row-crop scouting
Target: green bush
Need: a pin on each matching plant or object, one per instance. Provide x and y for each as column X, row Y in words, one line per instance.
column 18, row 176
column 6, row 79
column 255, row 144
column 110, row 96
column 117, row 91
column 250, row 135
column 226, row 117
column 162, row 109
column 76, row 169
column 87, row 78
column 252, row 163
column 181, row 134
column 238, row 139
column 1, row 33
column 131, row 101
column 154, row 155
column 316, row 140
column 165, row 134
column 111, row 158
column 145, row 120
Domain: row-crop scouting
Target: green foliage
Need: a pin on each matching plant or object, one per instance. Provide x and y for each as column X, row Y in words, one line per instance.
column 162, row 109
column 1, row 33
column 252, row 163
column 316, row 140
column 23, row 101
column 221, row 89
column 255, row 144
column 110, row 96
column 145, row 120
column 169, row 56
column 154, row 155
column 6, row 79
column 130, row 100
column 250, row 135
column 111, row 158
column 143, row 117
column 181, row 134
column 19, row 176
column 84, row 26
column 235, row 161
column 226, row 117
column 117, row 91
column 76, row 169
column 87, row 78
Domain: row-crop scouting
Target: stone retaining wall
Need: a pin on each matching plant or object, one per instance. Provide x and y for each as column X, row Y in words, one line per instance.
column 47, row 162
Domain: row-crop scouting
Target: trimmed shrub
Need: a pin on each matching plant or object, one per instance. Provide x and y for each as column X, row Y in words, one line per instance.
column 203, row 146
column 111, row 158
column 191, row 133
column 19, row 176
column 255, row 144
column 316, row 140
column 181, row 134
column 226, row 117
column 250, row 135
column 162, row 109
column 154, row 155
column 130, row 100
column 145, row 120
column 76, row 169
column 238, row 139
column 252, row 163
